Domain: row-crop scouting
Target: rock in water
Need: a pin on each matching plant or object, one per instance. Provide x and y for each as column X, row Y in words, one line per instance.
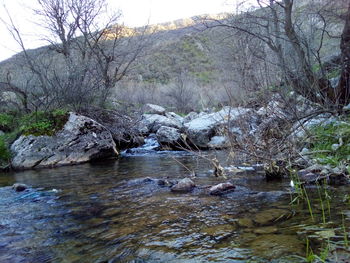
column 222, row 188
column 183, row 186
column 271, row 216
column 151, row 123
column 201, row 129
column 81, row 140
column 168, row 136
column 19, row 187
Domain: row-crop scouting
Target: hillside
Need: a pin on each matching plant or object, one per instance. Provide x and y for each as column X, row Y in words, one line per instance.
column 183, row 65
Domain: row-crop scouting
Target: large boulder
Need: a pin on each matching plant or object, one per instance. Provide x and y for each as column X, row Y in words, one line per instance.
column 202, row 129
column 81, row 140
column 121, row 126
column 168, row 136
column 150, row 123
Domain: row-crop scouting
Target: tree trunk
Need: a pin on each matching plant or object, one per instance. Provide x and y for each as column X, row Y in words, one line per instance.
column 343, row 89
column 310, row 85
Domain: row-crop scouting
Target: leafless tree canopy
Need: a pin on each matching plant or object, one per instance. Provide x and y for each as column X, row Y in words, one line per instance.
column 295, row 33
column 89, row 52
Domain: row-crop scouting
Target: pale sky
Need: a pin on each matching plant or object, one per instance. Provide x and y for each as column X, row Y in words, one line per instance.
column 135, row 13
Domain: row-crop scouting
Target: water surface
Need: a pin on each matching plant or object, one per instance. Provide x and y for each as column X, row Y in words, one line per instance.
column 108, row 212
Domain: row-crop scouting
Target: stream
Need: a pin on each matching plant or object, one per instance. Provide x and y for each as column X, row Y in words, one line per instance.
column 112, row 212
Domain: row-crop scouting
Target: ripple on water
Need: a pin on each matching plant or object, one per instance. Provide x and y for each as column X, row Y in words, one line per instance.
column 108, row 212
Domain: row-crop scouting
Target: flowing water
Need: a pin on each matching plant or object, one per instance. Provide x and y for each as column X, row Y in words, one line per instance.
column 113, row 212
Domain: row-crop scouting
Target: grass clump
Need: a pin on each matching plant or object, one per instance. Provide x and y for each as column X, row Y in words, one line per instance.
column 5, row 154
column 7, row 122
column 331, row 143
column 36, row 123
column 43, row 123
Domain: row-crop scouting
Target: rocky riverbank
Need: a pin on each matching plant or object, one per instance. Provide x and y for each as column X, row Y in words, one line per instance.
column 272, row 134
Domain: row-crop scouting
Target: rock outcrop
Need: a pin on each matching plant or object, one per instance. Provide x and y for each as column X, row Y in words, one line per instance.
column 201, row 129
column 81, row 140
column 151, row 123
column 169, row 136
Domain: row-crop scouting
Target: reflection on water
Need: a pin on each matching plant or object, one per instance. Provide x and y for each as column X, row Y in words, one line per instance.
column 107, row 212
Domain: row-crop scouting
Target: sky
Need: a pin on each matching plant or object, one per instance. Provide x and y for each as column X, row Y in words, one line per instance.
column 134, row 13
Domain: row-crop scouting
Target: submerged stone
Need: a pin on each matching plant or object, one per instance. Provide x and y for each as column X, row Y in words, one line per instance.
column 245, row 222
column 19, row 187
column 271, row 216
column 265, row 230
column 275, row 246
column 219, row 232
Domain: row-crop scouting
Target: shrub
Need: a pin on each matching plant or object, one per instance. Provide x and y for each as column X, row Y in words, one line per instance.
column 6, row 122
column 43, row 123
column 4, row 152
column 331, row 143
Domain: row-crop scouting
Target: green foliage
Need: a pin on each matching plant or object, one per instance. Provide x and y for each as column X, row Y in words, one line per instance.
column 334, row 73
column 187, row 55
column 331, row 143
column 37, row 123
column 43, row 123
column 4, row 152
column 6, row 122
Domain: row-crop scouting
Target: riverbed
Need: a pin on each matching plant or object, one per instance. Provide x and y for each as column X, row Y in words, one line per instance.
column 114, row 212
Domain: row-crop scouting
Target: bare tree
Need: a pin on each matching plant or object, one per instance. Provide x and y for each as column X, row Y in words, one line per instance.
column 88, row 53
column 344, row 82
column 296, row 43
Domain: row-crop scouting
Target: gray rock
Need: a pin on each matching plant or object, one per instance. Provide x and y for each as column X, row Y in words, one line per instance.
column 274, row 109
column 168, row 135
column 334, row 82
column 154, row 109
column 19, row 187
column 301, row 127
column 219, row 142
column 311, row 178
column 202, row 129
column 191, row 116
column 222, row 188
column 173, row 115
column 152, row 122
column 183, row 186
column 81, row 140
column 1, row 133
column 316, row 168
